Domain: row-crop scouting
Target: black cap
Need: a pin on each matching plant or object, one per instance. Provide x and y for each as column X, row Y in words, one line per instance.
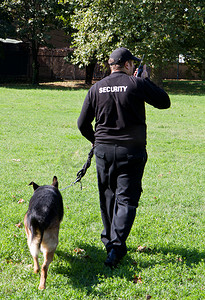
column 121, row 55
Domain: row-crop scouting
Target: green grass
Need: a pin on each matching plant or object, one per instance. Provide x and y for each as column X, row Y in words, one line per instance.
column 40, row 139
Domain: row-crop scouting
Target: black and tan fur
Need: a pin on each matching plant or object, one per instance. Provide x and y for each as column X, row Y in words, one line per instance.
column 42, row 223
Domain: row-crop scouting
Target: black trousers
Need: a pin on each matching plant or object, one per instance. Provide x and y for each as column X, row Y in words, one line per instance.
column 119, row 170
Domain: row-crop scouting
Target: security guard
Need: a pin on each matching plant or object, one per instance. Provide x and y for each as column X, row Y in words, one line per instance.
column 117, row 103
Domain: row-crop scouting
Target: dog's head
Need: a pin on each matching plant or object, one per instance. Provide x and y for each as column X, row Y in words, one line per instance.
column 55, row 183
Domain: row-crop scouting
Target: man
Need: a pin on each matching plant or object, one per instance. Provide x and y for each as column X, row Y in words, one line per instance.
column 117, row 103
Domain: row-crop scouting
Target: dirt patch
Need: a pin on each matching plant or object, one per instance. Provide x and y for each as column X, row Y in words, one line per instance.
column 72, row 84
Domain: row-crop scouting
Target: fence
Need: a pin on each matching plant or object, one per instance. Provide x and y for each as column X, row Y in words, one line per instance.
column 52, row 65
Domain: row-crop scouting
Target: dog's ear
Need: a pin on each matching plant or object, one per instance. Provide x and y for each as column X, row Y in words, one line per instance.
column 55, row 182
column 35, row 186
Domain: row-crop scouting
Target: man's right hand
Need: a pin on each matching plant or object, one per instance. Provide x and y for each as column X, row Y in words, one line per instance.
column 144, row 73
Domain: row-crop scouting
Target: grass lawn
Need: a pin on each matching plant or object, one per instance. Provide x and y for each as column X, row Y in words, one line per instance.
column 40, row 139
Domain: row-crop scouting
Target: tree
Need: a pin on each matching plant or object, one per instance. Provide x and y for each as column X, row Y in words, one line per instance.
column 6, row 27
column 176, row 27
column 159, row 29
column 71, row 28
column 195, row 38
column 33, row 20
column 99, row 27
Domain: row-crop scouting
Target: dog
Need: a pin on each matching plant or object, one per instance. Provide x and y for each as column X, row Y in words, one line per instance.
column 42, row 224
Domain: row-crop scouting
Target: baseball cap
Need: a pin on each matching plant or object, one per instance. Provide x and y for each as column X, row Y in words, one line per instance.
column 120, row 55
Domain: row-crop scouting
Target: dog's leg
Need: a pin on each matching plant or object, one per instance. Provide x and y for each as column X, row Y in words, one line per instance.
column 36, row 264
column 48, row 257
column 28, row 234
column 26, row 227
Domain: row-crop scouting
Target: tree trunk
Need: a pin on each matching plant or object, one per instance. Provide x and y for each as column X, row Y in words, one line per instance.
column 156, row 76
column 35, row 65
column 89, row 73
column 203, row 70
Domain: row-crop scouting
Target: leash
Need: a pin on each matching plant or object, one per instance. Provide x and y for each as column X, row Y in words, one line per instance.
column 83, row 171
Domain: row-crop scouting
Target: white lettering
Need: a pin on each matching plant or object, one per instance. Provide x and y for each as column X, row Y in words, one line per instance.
column 112, row 89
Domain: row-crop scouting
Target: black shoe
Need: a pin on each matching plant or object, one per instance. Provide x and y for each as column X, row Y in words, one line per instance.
column 113, row 259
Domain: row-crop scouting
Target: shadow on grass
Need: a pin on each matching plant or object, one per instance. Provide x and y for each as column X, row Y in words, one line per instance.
column 173, row 255
column 86, row 270
column 189, row 256
column 183, row 87
column 58, row 85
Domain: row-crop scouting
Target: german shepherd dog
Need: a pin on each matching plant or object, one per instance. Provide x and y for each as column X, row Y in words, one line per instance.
column 42, row 223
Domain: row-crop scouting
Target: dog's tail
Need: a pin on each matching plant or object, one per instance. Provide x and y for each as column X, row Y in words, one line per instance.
column 36, row 236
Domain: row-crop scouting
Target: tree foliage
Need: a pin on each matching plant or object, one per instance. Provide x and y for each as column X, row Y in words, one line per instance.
column 176, row 27
column 99, row 28
column 6, row 27
column 33, row 20
column 194, row 37
column 160, row 29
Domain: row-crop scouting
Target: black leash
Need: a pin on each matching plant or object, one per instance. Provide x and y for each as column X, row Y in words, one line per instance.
column 83, row 171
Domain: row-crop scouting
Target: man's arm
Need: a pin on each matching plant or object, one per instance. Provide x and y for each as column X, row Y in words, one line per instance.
column 154, row 95
column 85, row 120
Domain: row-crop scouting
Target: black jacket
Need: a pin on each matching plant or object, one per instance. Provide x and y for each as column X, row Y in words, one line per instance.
column 117, row 103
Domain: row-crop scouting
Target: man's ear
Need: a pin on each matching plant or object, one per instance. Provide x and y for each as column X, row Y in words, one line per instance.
column 126, row 64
